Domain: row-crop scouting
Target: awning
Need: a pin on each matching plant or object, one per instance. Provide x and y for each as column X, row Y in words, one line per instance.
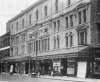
column 82, row 52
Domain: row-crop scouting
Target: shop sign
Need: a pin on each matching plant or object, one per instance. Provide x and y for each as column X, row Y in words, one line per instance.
column 70, row 70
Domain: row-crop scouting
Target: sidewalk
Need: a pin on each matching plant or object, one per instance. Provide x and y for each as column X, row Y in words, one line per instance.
column 64, row 78
column 75, row 79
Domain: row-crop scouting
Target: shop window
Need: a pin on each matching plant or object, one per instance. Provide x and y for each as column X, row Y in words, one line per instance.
column 71, row 66
column 96, row 65
column 57, row 66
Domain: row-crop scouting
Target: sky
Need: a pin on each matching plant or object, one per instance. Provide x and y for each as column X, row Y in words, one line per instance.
column 9, row 9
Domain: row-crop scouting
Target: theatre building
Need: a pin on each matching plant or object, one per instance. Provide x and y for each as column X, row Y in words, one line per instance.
column 54, row 34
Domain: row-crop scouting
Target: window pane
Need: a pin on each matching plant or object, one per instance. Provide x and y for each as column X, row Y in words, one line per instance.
column 79, row 14
column 71, row 20
column 66, row 38
column 84, row 15
column 66, row 20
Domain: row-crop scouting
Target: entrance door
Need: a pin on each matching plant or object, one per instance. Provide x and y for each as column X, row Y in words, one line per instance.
column 81, row 71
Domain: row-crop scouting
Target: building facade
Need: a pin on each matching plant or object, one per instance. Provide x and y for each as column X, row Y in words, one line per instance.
column 4, row 51
column 54, row 34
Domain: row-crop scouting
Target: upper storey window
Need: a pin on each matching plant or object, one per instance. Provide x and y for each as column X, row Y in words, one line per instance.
column 84, row 15
column 56, row 5
column 45, row 10
column 12, row 28
column 80, row 19
column 16, row 26
column 71, row 20
column 23, row 23
column 30, row 16
column 37, row 14
column 69, row 2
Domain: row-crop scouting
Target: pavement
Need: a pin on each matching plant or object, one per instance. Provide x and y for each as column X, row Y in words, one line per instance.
column 62, row 78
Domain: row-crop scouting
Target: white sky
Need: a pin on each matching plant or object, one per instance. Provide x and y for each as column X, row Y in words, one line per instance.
column 9, row 9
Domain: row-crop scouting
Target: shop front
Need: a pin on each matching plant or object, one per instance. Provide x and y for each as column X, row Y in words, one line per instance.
column 96, row 63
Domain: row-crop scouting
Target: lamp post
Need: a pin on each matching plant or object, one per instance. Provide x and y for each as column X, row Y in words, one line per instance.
column 36, row 53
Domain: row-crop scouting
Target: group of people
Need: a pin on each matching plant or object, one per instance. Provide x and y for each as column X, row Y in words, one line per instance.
column 41, row 71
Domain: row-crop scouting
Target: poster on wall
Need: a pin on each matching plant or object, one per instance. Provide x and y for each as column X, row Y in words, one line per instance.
column 11, row 68
column 81, row 70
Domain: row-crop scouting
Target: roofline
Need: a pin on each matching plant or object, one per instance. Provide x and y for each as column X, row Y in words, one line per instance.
column 26, row 10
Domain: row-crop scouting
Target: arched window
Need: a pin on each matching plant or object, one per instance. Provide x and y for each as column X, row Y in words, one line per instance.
column 56, row 5
column 45, row 10
column 37, row 14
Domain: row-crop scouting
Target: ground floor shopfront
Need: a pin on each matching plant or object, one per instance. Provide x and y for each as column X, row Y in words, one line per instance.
column 65, row 66
column 81, row 64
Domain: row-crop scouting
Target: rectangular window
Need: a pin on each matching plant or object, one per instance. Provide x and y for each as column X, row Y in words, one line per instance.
column 45, row 10
column 66, row 41
column 79, row 16
column 17, row 26
column 69, row 2
column 23, row 23
column 56, row 4
column 66, row 22
column 30, row 19
column 37, row 14
column 71, row 20
column 84, row 15
column 48, row 44
column 71, row 40
column 58, row 42
column 34, row 46
column 58, row 23
column 82, row 38
column 30, row 47
column 54, row 25
column 54, row 43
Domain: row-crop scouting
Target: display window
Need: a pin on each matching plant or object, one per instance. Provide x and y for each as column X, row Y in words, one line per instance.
column 57, row 66
column 71, row 67
column 96, row 65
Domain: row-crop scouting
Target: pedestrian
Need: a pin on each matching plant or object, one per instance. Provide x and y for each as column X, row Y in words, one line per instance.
column 50, row 70
column 53, row 72
column 43, row 70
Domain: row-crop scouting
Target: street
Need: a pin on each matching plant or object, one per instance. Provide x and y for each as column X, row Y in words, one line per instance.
column 18, row 78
